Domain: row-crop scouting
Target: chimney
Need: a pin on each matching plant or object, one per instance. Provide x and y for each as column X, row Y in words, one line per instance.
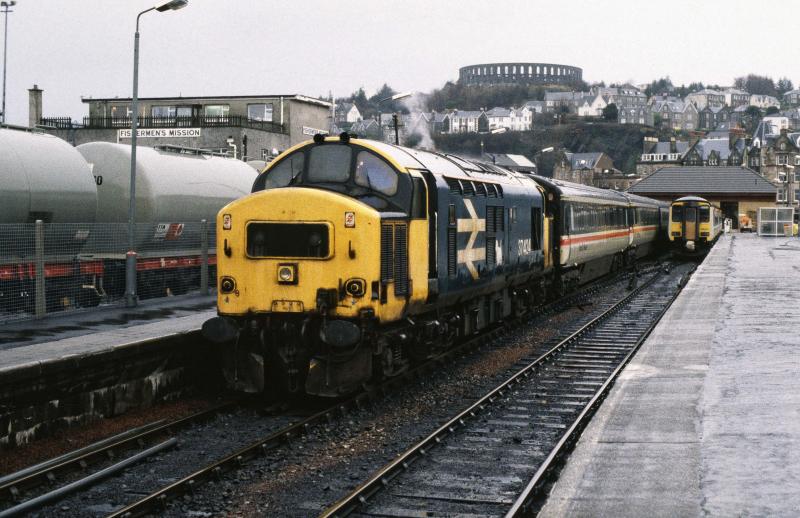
column 34, row 106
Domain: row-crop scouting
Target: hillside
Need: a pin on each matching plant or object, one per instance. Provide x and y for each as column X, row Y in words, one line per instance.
column 622, row 142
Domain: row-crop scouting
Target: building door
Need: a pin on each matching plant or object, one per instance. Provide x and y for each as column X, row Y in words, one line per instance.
column 730, row 209
column 690, row 223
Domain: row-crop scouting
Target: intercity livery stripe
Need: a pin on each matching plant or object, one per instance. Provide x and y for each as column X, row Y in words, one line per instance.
column 598, row 236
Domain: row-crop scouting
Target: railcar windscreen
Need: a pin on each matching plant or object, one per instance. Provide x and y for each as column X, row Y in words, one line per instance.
column 677, row 213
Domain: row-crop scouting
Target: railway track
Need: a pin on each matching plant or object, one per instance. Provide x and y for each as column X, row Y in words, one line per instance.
column 494, row 458
column 18, row 490
column 14, row 486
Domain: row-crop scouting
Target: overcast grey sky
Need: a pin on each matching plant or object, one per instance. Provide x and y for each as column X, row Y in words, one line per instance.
column 72, row 48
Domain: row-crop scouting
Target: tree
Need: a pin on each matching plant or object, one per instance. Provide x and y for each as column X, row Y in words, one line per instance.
column 659, row 86
column 750, row 119
column 772, row 110
column 784, row 85
column 610, row 112
column 756, row 84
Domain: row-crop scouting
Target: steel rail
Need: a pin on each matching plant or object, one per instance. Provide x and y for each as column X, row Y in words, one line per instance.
column 158, row 499
column 45, row 472
column 57, row 494
column 380, row 480
column 521, row 505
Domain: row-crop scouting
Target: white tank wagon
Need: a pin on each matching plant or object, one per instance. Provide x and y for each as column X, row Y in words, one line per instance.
column 174, row 192
column 42, row 178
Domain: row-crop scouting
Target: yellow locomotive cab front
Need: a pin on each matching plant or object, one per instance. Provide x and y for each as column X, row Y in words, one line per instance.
column 314, row 247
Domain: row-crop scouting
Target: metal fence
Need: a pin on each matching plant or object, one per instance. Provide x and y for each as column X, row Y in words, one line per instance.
column 775, row 221
column 55, row 267
column 199, row 121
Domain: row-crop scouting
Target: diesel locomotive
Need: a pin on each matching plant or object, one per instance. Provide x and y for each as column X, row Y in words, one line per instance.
column 353, row 259
column 695, row 223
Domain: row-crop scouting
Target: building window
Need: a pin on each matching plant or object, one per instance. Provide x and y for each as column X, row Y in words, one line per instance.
column 781, row 196
column 781, row 159
column 163, row 112
column 259, row 112
column 216, row 110
column 121, row 111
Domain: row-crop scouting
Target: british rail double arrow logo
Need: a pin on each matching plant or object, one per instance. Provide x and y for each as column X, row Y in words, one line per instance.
column 473, row 225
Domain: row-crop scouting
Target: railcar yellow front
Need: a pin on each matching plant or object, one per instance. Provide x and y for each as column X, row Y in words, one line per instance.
column 695, row 223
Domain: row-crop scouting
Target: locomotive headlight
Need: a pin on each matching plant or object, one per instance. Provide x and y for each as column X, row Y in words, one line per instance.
column 227, row 285
column 287, row 274
column 355, row 287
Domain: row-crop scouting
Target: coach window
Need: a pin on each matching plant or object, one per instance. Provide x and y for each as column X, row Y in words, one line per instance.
column 259, row 112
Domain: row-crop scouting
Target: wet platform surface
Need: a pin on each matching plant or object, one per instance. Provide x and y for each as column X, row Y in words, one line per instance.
column 93, row 331
column 706, row 418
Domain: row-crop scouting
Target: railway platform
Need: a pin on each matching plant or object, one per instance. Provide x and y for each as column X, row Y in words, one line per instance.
column 94, row 330
column 81, row 365
column 705, row 419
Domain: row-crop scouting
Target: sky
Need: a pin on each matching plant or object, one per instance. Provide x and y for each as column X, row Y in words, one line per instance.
column 75, row 48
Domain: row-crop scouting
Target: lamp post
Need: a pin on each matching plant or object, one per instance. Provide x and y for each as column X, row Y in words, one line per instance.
column 395, row 97
column 130, row 256
column 5, row 6
column 538, row 156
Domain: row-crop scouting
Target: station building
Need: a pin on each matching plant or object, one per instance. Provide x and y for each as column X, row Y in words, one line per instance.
column 252, row 126
column 736, row 190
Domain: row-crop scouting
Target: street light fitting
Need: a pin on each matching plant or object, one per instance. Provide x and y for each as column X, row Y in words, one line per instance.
column 11, row 3
column 396, row 97
column 403, row 95
column 172, row 5
column 498, row 130
column 547, row 150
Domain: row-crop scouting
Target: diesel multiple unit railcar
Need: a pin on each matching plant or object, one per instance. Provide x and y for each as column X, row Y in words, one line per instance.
column 352, row 259
column 695, row 224
column 82, row 197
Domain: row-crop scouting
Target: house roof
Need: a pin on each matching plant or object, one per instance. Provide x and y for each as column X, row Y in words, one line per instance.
column 516, row 162
column 681, row 146
column 562, row 96
column 583, row 160
column 497, row 111
column 683, row 181
column 720, row 145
